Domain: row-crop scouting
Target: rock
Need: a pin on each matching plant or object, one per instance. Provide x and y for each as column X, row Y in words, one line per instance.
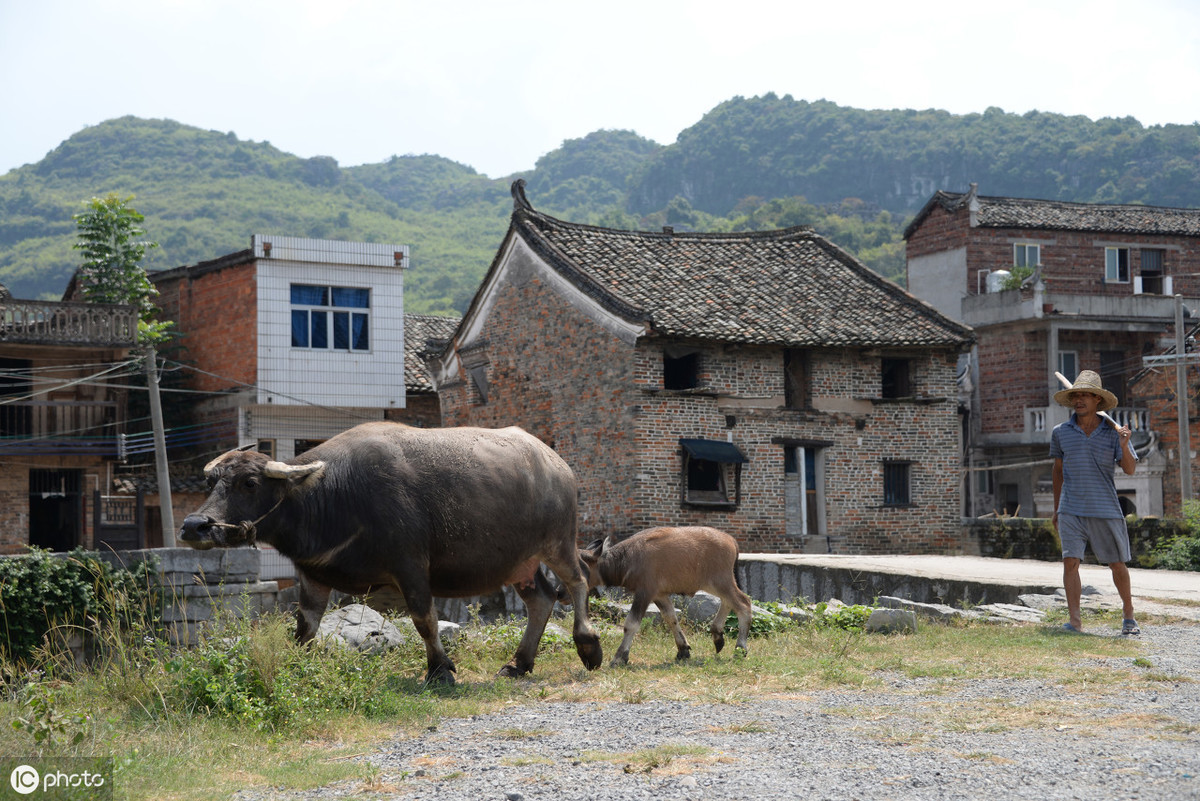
column 935, row 611
column 891, row 621
column 360, row 627
column 702, row 607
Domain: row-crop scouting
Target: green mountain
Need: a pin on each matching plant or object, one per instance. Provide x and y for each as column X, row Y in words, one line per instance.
column 750, row 163
column 779, row 147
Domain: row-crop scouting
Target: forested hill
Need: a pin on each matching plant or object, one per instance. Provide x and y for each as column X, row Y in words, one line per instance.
column 750, row 163
column 777, row 147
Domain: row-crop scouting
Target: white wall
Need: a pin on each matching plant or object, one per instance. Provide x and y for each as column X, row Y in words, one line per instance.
column 337, row 378
column 939, row 280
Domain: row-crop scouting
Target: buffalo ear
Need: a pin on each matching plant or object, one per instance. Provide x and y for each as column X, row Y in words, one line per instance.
column 275, row 469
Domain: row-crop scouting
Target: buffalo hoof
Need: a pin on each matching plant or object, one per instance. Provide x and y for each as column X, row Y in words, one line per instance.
column 620, row 660
column 718, row 641
column 682, row 654
column 589, row 650
column 441, row 675
column 512, row 671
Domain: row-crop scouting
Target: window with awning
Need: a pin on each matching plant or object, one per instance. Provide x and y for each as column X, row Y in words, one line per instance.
column 705, row 469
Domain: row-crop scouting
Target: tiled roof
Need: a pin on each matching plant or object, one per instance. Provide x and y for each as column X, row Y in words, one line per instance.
column 788, row 287
column 418, row 330
column 1055, row 215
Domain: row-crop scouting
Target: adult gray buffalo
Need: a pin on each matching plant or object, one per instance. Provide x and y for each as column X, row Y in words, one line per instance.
column 405, row 514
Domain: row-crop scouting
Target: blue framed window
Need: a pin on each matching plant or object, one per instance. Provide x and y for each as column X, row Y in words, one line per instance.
column 336, row 317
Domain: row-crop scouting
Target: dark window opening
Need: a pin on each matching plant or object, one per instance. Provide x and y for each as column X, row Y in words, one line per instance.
column 1009, row 498
column 1112, row 373
column 1152, row 271
column 16, row 416
column 681, row 372
column 897, row 489
column 897, row 382
column 56, row 509
column 300, row 446
column 795, row 379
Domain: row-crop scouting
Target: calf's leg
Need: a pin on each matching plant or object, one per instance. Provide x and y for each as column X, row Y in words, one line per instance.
column 633, row 624
column 733, row 598
column 667, row 607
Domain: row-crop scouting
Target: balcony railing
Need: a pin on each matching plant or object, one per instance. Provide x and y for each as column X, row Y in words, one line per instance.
column 58, row 427
column 1041, row 420
column 40, row 322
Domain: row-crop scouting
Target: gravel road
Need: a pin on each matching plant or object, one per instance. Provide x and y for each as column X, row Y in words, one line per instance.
column 916, row 739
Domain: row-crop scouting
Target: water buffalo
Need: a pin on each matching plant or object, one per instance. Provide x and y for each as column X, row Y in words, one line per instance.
column 656, row 562
column 405, row 514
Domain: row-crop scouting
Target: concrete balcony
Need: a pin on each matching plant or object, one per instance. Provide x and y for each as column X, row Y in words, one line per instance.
column 1012, row 305
column 42, row 322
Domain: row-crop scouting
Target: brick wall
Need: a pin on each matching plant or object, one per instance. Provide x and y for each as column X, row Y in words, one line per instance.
column 1155, row 391
column 218, row 309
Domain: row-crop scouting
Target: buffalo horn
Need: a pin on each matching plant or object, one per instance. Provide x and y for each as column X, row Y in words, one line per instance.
column 216, row 461
column 284, row 470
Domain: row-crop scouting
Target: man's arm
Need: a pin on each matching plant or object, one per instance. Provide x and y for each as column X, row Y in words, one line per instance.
column 1128, row 459
column 1057, row 481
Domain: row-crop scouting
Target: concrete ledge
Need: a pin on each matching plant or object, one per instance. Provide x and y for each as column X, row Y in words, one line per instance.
column 853, row 580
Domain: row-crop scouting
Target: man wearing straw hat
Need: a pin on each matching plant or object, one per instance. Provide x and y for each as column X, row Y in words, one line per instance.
column 1086, row 509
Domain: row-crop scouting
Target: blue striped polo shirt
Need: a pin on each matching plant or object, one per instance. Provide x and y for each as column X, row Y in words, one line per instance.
column 1088, row 461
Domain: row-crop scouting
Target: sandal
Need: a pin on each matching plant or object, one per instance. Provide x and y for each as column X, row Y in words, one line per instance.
column 1070, row 629
column 1130, row 626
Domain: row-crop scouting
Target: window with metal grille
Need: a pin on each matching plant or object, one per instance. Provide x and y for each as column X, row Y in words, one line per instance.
column 897, row 489
column 325, row 317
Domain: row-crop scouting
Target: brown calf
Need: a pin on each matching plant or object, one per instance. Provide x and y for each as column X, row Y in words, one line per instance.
column 657, row 562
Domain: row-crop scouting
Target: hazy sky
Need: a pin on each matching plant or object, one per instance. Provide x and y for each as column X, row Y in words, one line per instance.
column 496, row 85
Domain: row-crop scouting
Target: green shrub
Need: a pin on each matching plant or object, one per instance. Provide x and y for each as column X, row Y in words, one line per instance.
column 849, row 618
column 1181, row 551
column 42, row 593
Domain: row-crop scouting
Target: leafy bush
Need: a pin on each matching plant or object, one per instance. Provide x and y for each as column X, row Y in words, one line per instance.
column 1182, row 551
column 850, row 618
column 41, row 594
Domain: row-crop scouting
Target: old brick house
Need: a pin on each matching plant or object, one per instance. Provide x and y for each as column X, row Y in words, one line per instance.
column 1096, row 286
column 62, row 407
column 766, row 383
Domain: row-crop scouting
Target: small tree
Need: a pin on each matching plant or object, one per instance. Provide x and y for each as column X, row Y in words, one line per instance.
column 110, row 239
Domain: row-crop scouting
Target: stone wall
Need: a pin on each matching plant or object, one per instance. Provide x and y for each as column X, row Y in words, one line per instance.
column 201, row 585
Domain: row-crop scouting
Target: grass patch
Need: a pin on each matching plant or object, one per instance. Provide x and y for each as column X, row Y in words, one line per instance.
column 248, row 710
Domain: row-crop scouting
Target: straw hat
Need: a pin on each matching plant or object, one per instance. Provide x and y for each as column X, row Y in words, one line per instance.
column 1087, row 381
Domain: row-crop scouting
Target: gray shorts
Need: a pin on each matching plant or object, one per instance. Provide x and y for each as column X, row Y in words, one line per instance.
column 1108, row 537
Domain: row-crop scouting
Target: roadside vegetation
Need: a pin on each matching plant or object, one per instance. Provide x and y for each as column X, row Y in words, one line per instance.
column 248, row 708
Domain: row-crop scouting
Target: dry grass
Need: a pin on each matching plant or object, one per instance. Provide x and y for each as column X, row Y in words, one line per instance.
column 170, row 753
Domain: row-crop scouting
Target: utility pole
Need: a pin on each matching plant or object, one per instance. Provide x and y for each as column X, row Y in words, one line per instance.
column 160, row 449
column 1181, row 394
